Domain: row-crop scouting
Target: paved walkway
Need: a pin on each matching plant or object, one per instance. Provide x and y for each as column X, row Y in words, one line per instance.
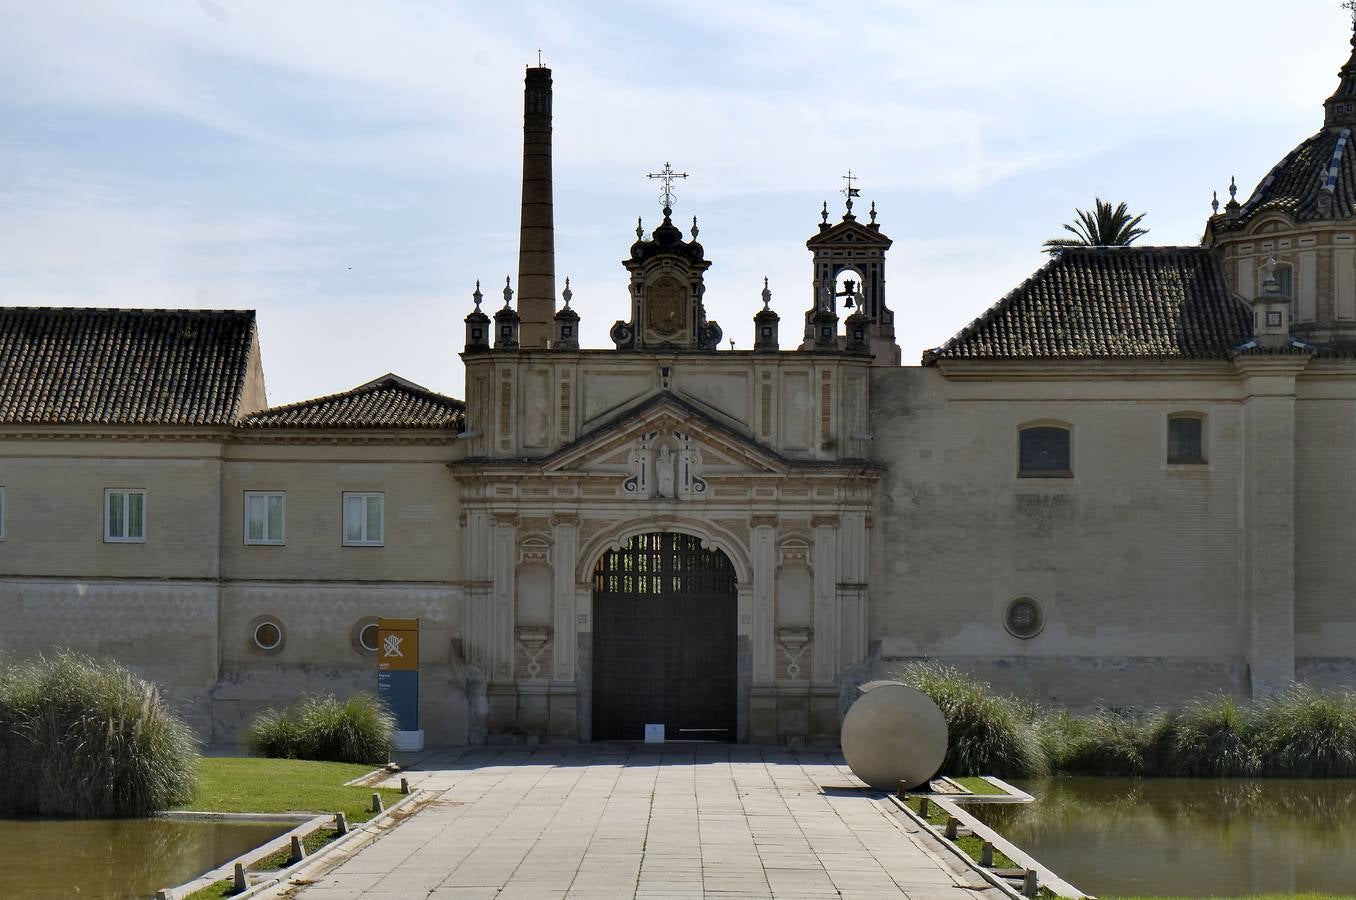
column 613, row 821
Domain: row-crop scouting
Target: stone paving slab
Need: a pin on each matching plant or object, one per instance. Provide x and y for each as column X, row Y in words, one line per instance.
column 603, row 821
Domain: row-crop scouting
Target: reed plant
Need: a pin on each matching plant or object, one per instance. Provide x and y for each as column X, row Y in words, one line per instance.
column 324, row 728
column 83, row 738
column 988, row 733
column 1213, row 737
column 1306, row 733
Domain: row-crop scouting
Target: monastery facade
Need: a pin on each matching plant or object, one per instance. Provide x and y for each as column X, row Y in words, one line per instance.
column 1126, row 483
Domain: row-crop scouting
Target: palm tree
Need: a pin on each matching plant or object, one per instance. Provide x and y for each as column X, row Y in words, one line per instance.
column 1104, row 227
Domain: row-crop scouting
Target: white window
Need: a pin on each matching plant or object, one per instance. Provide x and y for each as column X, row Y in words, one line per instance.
column 363, row 519
column 124, row 516
column 265, row 512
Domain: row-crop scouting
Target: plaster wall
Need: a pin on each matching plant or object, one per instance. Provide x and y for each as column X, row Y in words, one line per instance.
column 1136, row 563
column 1325, row 608
column 422, row 542
column 321, row 652
column 54, row 508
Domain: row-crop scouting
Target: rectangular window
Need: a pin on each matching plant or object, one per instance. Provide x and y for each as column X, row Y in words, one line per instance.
column 1044, row 452
column 1184, row 441
column 124, row 516
column 264, row 515
column 363, row 519
column 2, row 513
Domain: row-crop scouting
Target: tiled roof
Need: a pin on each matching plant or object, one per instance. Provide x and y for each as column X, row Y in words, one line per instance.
column 1316, row 180
column 1111, row 303
column 122, row 366
column 387, row 402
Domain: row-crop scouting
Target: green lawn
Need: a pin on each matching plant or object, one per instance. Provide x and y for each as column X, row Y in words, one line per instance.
column 251, row 784
column 976, row 785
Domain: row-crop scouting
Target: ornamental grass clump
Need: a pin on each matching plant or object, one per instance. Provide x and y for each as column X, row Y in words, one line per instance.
column 82, row 738
column 1210, row 738
column 357, row 730
column 1306, row 733
column 987, row 733
column 1105, row 742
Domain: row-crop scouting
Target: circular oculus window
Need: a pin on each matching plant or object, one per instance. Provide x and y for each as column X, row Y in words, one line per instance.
column 268, row 635
column 1024, row 618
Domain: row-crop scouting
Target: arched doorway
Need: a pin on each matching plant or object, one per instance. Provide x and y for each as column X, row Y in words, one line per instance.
column 664, row 640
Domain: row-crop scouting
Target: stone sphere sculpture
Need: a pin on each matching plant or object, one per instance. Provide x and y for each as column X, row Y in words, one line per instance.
column 892, row 735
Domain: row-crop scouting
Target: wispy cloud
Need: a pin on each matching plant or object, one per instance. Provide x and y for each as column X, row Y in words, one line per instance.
column 350, row 169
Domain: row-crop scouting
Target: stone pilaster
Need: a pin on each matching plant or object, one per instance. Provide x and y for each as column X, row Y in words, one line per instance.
column 824, row 557
column 1269, row 516
column 852, row 590
column 504, row 563
column 764, row 557
column 564, row 703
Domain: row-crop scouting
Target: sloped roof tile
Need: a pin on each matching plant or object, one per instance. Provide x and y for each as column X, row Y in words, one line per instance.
column 1111, row 303
column 123, row 366
column 387, row 402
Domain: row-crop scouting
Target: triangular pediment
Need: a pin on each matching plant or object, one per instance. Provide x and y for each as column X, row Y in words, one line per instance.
column 849, row 233
column 665, row 422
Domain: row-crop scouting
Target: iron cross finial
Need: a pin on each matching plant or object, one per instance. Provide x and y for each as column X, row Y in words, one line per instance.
column 667, row 176
column 1350, row 6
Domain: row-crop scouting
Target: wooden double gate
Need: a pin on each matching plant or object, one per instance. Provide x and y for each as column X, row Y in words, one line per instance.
column 664, row 640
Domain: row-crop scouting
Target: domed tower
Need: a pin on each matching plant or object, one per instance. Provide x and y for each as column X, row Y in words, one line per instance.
column 667, row 284
column 1290, row 249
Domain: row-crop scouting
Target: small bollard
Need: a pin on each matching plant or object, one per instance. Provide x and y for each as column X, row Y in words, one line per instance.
column 340, row 824
column 952, row 826
column 241, row 885
column 903, row 792
column 923, row 807
column 404, row 785
column 986, row 855
column 1029, row 886
column 376, row 802
column 298, row 851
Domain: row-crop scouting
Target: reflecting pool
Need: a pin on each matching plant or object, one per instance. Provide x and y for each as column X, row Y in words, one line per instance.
column 1199, row 837
column 117, row 858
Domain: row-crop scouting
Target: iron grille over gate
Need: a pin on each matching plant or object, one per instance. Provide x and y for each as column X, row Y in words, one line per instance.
column 664, row 644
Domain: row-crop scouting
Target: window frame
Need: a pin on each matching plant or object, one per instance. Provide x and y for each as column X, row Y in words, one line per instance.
column 267, row 540
column 127, row 494
column 1204, row 444
column 367, row 497
column 1068, row 471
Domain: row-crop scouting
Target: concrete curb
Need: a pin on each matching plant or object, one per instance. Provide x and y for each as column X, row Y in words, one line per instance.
column 358, row 836
column 282, row 842
column 1046, row 877
column 960, row 854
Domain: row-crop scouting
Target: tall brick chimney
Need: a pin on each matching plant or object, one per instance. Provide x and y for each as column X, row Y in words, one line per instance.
column 537, row 237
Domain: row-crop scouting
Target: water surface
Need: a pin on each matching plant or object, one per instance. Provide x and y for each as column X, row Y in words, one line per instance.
column 117, row 858
column 1198, row 837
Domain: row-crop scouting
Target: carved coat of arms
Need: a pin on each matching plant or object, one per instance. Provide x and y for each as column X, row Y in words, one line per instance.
column 666, row 300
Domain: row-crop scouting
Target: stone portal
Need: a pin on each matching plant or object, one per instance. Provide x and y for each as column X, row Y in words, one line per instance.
column 665, row 620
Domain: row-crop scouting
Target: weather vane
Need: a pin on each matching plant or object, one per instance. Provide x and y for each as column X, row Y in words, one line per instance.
column 849, row 192
column 667, row 176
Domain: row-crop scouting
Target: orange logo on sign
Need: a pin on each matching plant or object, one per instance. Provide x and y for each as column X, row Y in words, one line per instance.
column 397, row 644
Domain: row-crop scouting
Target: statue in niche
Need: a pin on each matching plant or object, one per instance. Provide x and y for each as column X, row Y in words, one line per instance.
column 663, row 472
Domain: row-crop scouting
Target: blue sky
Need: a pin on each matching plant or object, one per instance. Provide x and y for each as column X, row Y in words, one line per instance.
column 350, row 169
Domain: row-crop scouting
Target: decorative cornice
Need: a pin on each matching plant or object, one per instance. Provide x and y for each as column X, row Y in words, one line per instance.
column 762, row 521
